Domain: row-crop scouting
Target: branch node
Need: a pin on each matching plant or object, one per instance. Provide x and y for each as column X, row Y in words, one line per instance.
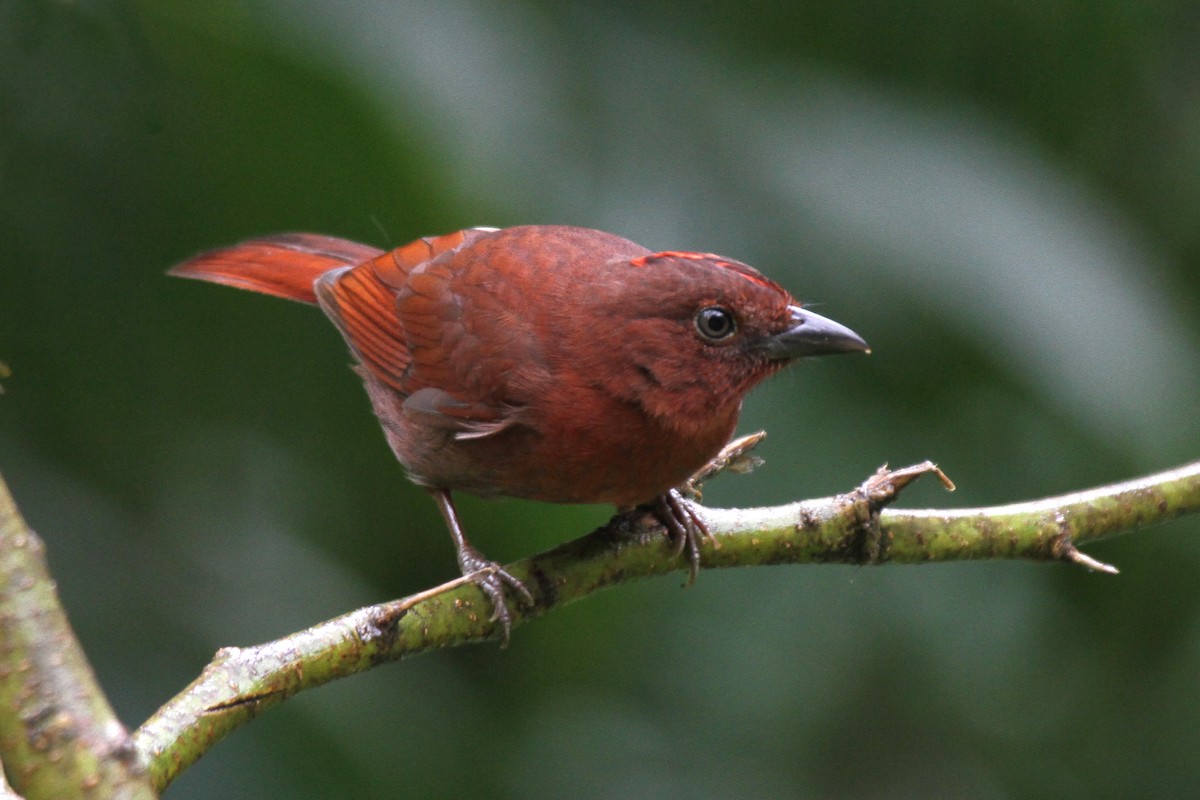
column 249, row 701
column 1063, row 548
column 877, row 492
column 885, row 484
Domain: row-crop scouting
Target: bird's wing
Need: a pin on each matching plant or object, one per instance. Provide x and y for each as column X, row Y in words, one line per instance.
column 411, row 317
column 471, row 333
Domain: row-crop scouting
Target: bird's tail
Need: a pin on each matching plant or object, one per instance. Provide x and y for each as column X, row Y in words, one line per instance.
column 284, row 266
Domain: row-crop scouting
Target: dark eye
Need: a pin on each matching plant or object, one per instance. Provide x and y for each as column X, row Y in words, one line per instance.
column 716, row 323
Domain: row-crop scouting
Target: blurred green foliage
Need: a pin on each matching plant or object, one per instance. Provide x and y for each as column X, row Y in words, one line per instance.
column 1001, row 196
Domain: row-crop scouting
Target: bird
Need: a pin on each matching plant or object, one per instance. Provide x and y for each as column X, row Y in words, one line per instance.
column 546, row 362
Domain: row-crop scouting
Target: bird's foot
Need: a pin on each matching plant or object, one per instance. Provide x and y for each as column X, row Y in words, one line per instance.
column 495, row 581
column 685, row 527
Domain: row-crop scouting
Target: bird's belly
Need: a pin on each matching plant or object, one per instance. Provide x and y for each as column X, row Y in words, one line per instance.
column 593, row 450
column 622, row 459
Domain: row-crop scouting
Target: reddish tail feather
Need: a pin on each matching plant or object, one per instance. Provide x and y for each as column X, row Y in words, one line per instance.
column 283, row 266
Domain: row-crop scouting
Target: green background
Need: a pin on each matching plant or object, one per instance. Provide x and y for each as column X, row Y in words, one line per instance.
column 1000, row 196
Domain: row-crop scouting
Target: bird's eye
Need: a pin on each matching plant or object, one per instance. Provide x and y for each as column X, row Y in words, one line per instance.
column 715, row 323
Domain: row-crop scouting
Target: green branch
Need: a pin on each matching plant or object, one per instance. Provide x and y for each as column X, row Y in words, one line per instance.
column 853, row 528
column 6, row 791
column 59, row 738
column 58, row 735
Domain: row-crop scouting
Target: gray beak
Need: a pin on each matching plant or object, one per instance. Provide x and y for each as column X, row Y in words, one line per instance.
column 813, row 335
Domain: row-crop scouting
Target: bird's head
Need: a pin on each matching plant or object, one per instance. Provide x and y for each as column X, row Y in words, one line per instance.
column 687, row 335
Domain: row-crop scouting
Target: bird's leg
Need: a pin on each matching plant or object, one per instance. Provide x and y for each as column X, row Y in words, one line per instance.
column 676, row 509
column 471, row 560
column 685, row 527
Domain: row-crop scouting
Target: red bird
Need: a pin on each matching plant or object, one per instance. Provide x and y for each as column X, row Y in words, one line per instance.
column 546, row 362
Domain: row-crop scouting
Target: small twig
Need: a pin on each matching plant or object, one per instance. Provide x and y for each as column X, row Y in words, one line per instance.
column 890, row 481
column 1064, row 549
column 420, row 597
column 1074, row 554
column 877, row 492
column 734, row 457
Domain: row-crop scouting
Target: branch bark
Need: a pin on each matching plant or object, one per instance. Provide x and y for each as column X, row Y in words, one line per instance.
column 59, row 738
column 6, row 791
column 852, row 528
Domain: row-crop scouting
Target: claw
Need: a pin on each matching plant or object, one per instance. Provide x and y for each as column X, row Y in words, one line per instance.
column 492, row 578
column 685, row 528
column 493, row 582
